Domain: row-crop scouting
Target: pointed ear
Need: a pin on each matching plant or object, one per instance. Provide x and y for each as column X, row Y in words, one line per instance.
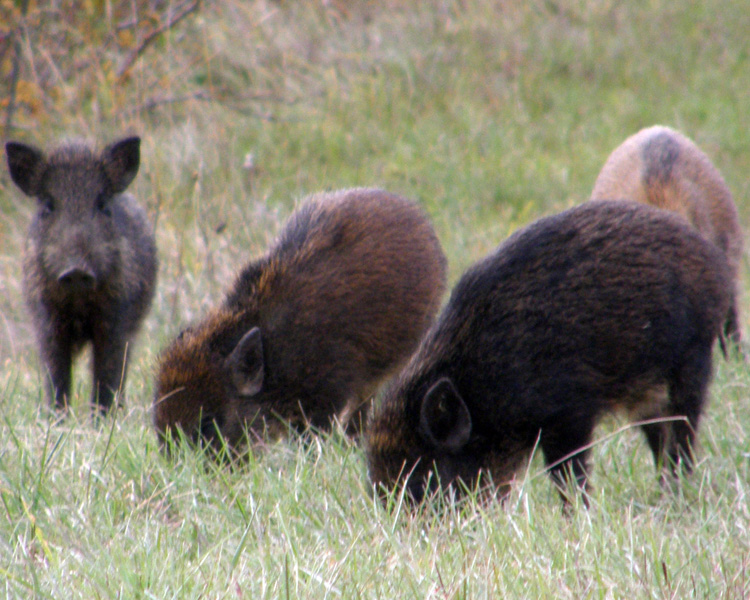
column 24, row 163
column 245, row 363
column 444, row 417
column 121, row 161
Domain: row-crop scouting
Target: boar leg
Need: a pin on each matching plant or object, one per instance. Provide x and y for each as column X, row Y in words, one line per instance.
column 565, row 455
column 687, row 394
column 110, row 367
column 57, row 358
column 730, row 337
column 656, row 436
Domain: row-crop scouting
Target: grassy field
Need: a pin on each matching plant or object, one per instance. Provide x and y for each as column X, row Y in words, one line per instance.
column 491, row 114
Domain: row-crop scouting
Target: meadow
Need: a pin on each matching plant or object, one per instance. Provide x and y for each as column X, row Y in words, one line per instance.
column 490, row 114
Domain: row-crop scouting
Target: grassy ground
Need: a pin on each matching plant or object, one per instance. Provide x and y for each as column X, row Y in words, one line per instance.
column 491, row 115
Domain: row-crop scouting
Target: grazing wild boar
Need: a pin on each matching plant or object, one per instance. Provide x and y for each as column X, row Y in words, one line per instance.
column 90, row 260
column 661, row 167
column 307, row 331
column 609, row 305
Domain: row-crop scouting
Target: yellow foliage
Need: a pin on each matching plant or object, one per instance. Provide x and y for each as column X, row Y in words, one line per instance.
column 125, row 38
column 9, row 15
column 72, row 53
column 6, row 65
column 29, row 94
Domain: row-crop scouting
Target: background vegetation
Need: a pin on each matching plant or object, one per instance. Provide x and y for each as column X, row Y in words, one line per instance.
column 490, row 113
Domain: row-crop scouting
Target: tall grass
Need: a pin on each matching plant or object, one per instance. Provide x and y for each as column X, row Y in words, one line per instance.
column 491, row 114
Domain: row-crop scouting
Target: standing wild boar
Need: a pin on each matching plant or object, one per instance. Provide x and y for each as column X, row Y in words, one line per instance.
column 661, row 167
column 90, row 260
column 609, row 305
column 308, row 330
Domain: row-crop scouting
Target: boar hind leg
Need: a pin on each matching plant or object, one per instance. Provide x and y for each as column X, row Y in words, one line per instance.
column 653, row 405
column 657, row 435
column 110, row 368
column 565, row 454
column 730, row 337
column 687, row 395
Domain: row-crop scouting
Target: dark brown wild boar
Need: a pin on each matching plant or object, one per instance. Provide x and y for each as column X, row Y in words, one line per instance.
column 661, row 167
column 90, row 260
column 609, row 305
column 307, row 331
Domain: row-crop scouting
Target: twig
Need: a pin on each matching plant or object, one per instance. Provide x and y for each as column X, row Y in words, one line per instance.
column 608, row 437
column 151, row 37
column 153, row 103
column 16, row 69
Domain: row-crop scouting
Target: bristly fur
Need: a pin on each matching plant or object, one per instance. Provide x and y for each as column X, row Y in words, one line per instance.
column 340, row 300
column 607, row 306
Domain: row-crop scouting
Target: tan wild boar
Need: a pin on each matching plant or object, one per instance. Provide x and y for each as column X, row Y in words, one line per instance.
column 663, row 168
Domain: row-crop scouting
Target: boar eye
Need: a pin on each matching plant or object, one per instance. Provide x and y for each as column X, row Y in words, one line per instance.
column 103, row 206
column 46, row 205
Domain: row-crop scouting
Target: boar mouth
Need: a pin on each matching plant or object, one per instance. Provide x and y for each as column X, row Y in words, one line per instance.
column 209, row 430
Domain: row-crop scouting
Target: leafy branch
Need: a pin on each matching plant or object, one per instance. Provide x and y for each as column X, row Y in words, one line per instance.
column 172, row 19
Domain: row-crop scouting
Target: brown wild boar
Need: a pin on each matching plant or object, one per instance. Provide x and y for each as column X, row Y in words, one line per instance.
column 90, row 260
column 609, row 305
column 307, row 331
column 661, row 167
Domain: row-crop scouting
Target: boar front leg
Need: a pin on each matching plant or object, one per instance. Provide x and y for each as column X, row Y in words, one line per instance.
column 57, row 359
column 110, row 368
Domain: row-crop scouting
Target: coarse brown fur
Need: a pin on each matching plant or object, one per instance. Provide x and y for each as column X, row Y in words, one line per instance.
column 308, row 330
column 90, row 260
column 663, row 168
column 607, row 306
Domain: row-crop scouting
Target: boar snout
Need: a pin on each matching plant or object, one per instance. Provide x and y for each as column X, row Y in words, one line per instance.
column 77, row 279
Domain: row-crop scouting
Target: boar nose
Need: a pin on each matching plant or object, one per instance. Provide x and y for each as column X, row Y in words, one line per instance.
column 77, row 278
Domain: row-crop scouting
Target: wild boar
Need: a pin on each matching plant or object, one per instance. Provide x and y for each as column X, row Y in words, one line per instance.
column 663, row 168
column 90, row 260
column 308, row 330
column 606, row 306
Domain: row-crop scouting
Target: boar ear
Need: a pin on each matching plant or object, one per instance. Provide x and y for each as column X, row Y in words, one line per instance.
column 24, row 164
column 246, row 363
column 121, row 161
column 444, row 417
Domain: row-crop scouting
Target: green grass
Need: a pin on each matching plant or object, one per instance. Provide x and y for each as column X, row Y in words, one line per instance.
column 491, row 115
